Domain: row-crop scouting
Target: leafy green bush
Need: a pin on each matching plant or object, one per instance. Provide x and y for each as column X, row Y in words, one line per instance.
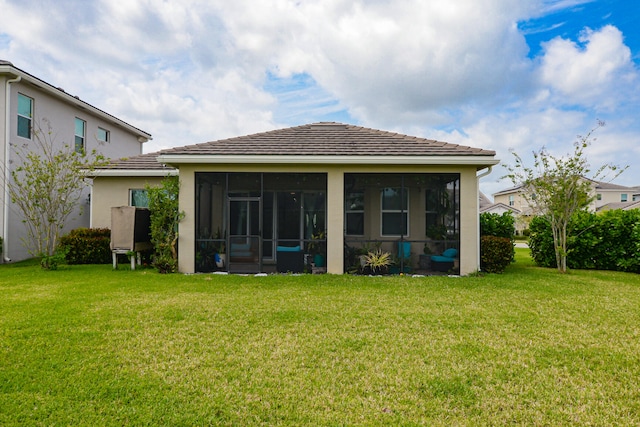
column 165, row 216
column 496, row 242
column 606, row 241
column 86, row 246
column 496, row 253
column 492, row 224
column 541, row 242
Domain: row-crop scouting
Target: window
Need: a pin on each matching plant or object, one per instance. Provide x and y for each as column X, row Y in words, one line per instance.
column 512, row 200
column 25, row 116
column 102, row 135
column 138, row 198
column 598, row 196
column 354, row 213
column 623, row 197
column 80, row 134
column 394, row 212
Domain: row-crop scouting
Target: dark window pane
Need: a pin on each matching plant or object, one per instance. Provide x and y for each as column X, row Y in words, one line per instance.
column 394, row 224
column 355, row 224
column 24, row 127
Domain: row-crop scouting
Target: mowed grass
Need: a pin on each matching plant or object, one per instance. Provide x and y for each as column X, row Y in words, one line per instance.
column 86, row 345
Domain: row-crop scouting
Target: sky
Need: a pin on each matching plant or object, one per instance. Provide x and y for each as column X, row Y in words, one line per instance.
column 505, row 75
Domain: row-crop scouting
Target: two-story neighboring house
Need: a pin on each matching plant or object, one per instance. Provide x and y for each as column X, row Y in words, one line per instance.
column 605, row 196
column 25, row 102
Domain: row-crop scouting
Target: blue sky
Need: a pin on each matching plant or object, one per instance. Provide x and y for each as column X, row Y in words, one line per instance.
column 496, row 74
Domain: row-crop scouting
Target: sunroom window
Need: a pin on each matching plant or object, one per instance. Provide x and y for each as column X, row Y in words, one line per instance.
column 394, row 212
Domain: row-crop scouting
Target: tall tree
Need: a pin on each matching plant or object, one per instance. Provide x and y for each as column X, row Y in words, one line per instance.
column 46, row 186
column 557, row 187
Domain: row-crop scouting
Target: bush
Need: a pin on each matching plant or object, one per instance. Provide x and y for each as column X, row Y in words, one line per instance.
column 86, row 246
column 541, row 242
column 607, row 241
column 496, row 242
column 496, row 253
column 165, row 216
column 492, row 224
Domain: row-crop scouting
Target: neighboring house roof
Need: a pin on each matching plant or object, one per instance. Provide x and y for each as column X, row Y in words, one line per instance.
column 625, row 206
column 483, row 200
column 610, row 186
column 498, row 208
column 8, row 68
column 329, row 143
column 510, row 190
column 141, row 165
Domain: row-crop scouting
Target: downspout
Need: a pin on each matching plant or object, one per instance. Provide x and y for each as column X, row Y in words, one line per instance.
column 7, row 174
column 482, row 175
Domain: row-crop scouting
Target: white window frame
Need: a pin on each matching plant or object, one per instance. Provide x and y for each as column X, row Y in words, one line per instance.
column 394, row 211
column 29, row 118
column 80, row 139
column 348, row 211
column 624, row 197
column 102, row 131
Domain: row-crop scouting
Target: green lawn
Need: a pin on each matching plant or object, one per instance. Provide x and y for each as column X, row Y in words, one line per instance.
column 86, row 345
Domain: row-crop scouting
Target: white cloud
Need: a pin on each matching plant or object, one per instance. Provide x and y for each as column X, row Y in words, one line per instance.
column 195, row 70
column 592, row 72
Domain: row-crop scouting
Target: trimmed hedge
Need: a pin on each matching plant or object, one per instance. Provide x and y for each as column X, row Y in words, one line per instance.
column 497, row 250
column 605, row 241
column 496, row 253
column 87, row 246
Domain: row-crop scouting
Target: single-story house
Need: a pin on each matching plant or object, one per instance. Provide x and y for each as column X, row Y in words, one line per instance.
column 274, row 200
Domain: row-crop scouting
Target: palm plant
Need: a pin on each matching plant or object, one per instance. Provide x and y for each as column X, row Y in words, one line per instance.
column 377, row 262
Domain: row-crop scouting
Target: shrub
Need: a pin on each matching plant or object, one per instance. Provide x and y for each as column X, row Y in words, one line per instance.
column 496, row 242
column 541, row 242
column 86, row 246
column 492, row 224
column 606, row 241
column 496, row 253
column 165, row 216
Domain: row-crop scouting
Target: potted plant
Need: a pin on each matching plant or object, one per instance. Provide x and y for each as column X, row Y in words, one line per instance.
column 377, row 262
column 219, row 248
column 317, row 247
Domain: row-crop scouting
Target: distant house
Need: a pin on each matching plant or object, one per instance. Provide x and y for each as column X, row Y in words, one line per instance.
column 273, row 200
column 603, row 193
column 28, row 100
column 486, row 206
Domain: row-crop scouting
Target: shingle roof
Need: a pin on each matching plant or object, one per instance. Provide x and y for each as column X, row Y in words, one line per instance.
column 329, row 138
column 317, row 139
column 140, row 162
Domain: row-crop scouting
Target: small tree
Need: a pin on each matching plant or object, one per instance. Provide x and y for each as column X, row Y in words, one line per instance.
column 46, row 186
column 165, row 216
column 557, row 187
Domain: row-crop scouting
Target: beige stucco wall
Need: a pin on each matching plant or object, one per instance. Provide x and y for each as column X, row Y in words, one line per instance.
column 613, row 196
column 469, row 253
column 108, row 192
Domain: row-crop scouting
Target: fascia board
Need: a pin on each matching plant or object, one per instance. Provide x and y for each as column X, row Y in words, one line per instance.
column 133, row 172
column 176, row 159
